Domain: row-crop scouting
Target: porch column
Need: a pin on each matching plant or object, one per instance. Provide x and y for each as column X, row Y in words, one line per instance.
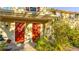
column 43, row 29
column 25, row 31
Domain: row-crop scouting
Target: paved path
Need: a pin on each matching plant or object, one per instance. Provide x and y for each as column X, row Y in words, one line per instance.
column 75, row 49
column 28, row 47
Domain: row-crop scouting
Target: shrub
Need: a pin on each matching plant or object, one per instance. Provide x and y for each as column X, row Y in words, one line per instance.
column 42, row 44
column 73, row 35
column 61, row 30
column 2, row 46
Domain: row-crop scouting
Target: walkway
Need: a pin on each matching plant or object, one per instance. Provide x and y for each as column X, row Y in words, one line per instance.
column 28, row 47
column 75, row 49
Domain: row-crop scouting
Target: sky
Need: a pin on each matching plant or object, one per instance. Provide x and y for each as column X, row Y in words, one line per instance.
column 73, row 9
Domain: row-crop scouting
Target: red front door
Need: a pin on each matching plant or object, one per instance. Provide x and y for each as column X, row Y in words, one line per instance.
column 19, row 31
column 35, row 31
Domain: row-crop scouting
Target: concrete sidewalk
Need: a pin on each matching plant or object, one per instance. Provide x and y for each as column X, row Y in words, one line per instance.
column 75, row 49
column 28, row 47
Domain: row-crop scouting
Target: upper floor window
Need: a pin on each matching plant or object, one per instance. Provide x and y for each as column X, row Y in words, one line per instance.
column 33, row 9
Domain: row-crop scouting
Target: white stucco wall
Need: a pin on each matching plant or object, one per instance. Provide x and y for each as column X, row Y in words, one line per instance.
column 9, row 32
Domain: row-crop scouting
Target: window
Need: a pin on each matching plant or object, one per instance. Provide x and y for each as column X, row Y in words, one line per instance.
column 33, row 9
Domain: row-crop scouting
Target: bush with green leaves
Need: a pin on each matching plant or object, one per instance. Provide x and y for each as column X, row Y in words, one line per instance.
column 73, row 35
column 61, row 29
column 42, row 44
column 2, row 46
